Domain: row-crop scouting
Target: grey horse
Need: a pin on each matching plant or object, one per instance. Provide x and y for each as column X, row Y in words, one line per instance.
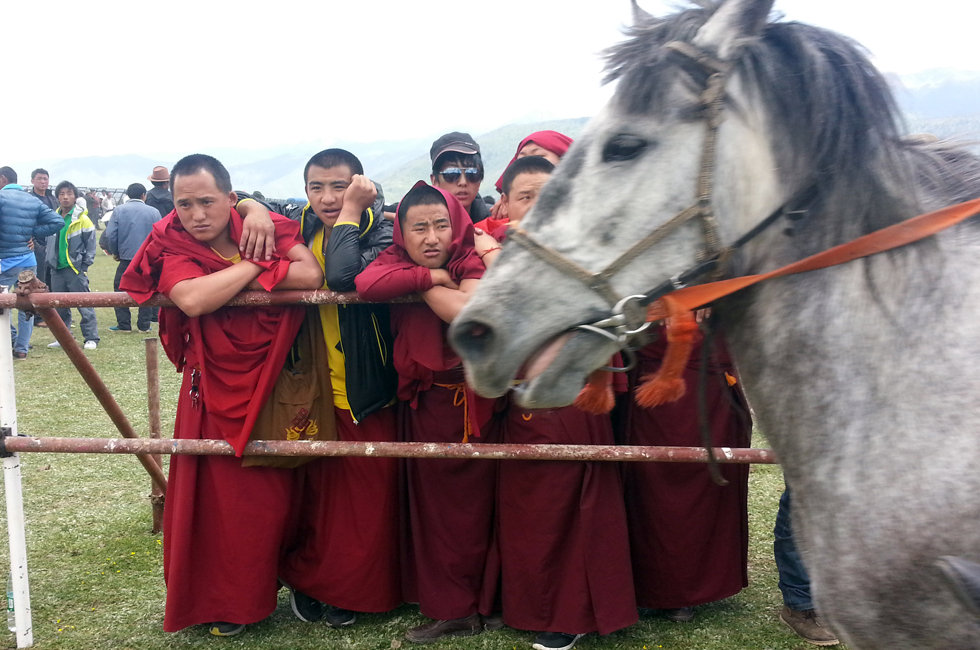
column 736, row 145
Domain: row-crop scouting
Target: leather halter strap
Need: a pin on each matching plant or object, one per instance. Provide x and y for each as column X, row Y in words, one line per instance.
column 712, row 100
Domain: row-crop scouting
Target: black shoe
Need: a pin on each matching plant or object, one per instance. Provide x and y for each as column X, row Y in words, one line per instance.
column 221, row 628
column 20, row 356
column 556, row 641
column 337, row 617
column 680, row 615
column 493, row 622
column 306, row 608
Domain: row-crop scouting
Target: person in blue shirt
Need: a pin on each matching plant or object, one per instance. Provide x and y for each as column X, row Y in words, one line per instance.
column 22, row 219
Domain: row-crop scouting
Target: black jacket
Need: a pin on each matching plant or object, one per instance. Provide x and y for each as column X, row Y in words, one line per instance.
column 365, row 329
column 161, row 199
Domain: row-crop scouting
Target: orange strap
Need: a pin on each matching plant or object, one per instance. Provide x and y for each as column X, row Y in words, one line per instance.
column 666, row 385
column 893, row 236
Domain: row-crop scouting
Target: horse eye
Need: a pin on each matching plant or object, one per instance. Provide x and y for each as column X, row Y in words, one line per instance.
column 623, row 147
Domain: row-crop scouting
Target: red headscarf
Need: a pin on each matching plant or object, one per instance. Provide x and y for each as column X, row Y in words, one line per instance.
column 555, row 142
column 239, row 352
column 421, row 349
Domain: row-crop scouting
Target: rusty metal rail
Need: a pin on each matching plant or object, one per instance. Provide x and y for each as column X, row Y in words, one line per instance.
column 40, row 300
column 616, row 453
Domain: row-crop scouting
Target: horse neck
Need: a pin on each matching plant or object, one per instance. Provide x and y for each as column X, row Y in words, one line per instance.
column 823, row 352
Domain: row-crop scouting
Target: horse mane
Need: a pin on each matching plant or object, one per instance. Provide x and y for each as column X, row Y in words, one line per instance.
column 836, row 129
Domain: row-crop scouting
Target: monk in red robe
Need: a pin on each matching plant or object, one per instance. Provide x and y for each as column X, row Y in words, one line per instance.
column 564, row 547
column 347, row 557
column 550, row 145
column 224, row 524
column 450, row 502
column 689, row 536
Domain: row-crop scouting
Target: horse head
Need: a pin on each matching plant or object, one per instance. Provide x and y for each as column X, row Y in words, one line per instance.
column 682, row 132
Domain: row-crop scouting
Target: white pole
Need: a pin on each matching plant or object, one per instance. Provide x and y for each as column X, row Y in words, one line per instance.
column 16, row 529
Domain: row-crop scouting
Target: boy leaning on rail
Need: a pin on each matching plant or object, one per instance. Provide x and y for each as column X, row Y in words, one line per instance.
column 224, row 524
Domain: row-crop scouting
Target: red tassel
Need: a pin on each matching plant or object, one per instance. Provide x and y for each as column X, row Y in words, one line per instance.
column 667, row 384
column 597, row 396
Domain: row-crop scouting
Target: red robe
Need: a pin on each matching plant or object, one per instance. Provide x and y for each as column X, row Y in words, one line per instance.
column 689, row 537
column 346, row 550
column 450, row 502
column 564, row 547
column 224, row 525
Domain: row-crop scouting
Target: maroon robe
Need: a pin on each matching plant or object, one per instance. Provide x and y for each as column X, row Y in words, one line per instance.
column 563, row 539
column 224, row 525
column 347, row 546
column 450, row 502
column 689, row 536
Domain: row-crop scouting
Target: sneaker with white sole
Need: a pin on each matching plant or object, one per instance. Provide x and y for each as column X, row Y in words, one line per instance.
column 556, row 641
column 91, row 345
column 338, row 617
column 307, row 608
column 221, row 628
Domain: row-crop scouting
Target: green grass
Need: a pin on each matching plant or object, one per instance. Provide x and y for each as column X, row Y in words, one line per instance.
column 95, row 569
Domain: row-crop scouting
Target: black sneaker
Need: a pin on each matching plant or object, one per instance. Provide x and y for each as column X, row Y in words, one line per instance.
column 680, row 614
column 221, row 628
column 337, row 617
column 556, row 641
column 307, row 608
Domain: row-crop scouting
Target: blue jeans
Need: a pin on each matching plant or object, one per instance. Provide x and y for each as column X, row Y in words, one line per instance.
column 20, row 336
column 794, row 581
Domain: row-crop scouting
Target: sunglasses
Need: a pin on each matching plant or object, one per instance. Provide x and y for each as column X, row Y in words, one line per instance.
column 452, row 174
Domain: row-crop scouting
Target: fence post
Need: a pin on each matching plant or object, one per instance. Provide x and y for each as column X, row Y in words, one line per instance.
column 16, row 528
column 153, row 407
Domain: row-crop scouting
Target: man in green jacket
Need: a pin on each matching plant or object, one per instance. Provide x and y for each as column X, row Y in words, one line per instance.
column 69, row 254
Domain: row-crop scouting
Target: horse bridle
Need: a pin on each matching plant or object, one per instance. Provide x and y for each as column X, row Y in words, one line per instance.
column 627, row 316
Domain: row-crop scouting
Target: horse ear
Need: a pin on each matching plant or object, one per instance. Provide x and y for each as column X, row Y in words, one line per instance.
column 641, row 16
column 733, row 22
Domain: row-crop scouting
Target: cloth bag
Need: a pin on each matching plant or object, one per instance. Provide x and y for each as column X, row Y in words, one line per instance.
column 300, row 406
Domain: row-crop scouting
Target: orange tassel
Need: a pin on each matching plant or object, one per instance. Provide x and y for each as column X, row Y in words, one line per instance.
column 667, row 384
column 597, row 396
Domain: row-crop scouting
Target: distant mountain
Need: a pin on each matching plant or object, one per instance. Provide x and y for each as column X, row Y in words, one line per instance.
column 938, row 94
column 943, row 102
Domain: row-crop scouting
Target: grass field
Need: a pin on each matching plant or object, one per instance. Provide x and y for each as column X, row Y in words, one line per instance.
column 95, row 569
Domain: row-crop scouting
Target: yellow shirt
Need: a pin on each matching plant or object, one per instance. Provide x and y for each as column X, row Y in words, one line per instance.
column 234, row 259
column 330, row 322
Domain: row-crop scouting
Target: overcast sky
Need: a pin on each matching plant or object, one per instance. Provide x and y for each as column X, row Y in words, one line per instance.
column 171, row 77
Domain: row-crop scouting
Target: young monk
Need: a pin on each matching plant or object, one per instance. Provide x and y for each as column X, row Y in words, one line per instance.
column 450, row 501
column 223, row 524
column 349, row 505
column 550, row 145
column 564, row 547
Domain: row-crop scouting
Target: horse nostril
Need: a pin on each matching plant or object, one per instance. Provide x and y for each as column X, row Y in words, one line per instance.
column 477, row 331
column 472, row 339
